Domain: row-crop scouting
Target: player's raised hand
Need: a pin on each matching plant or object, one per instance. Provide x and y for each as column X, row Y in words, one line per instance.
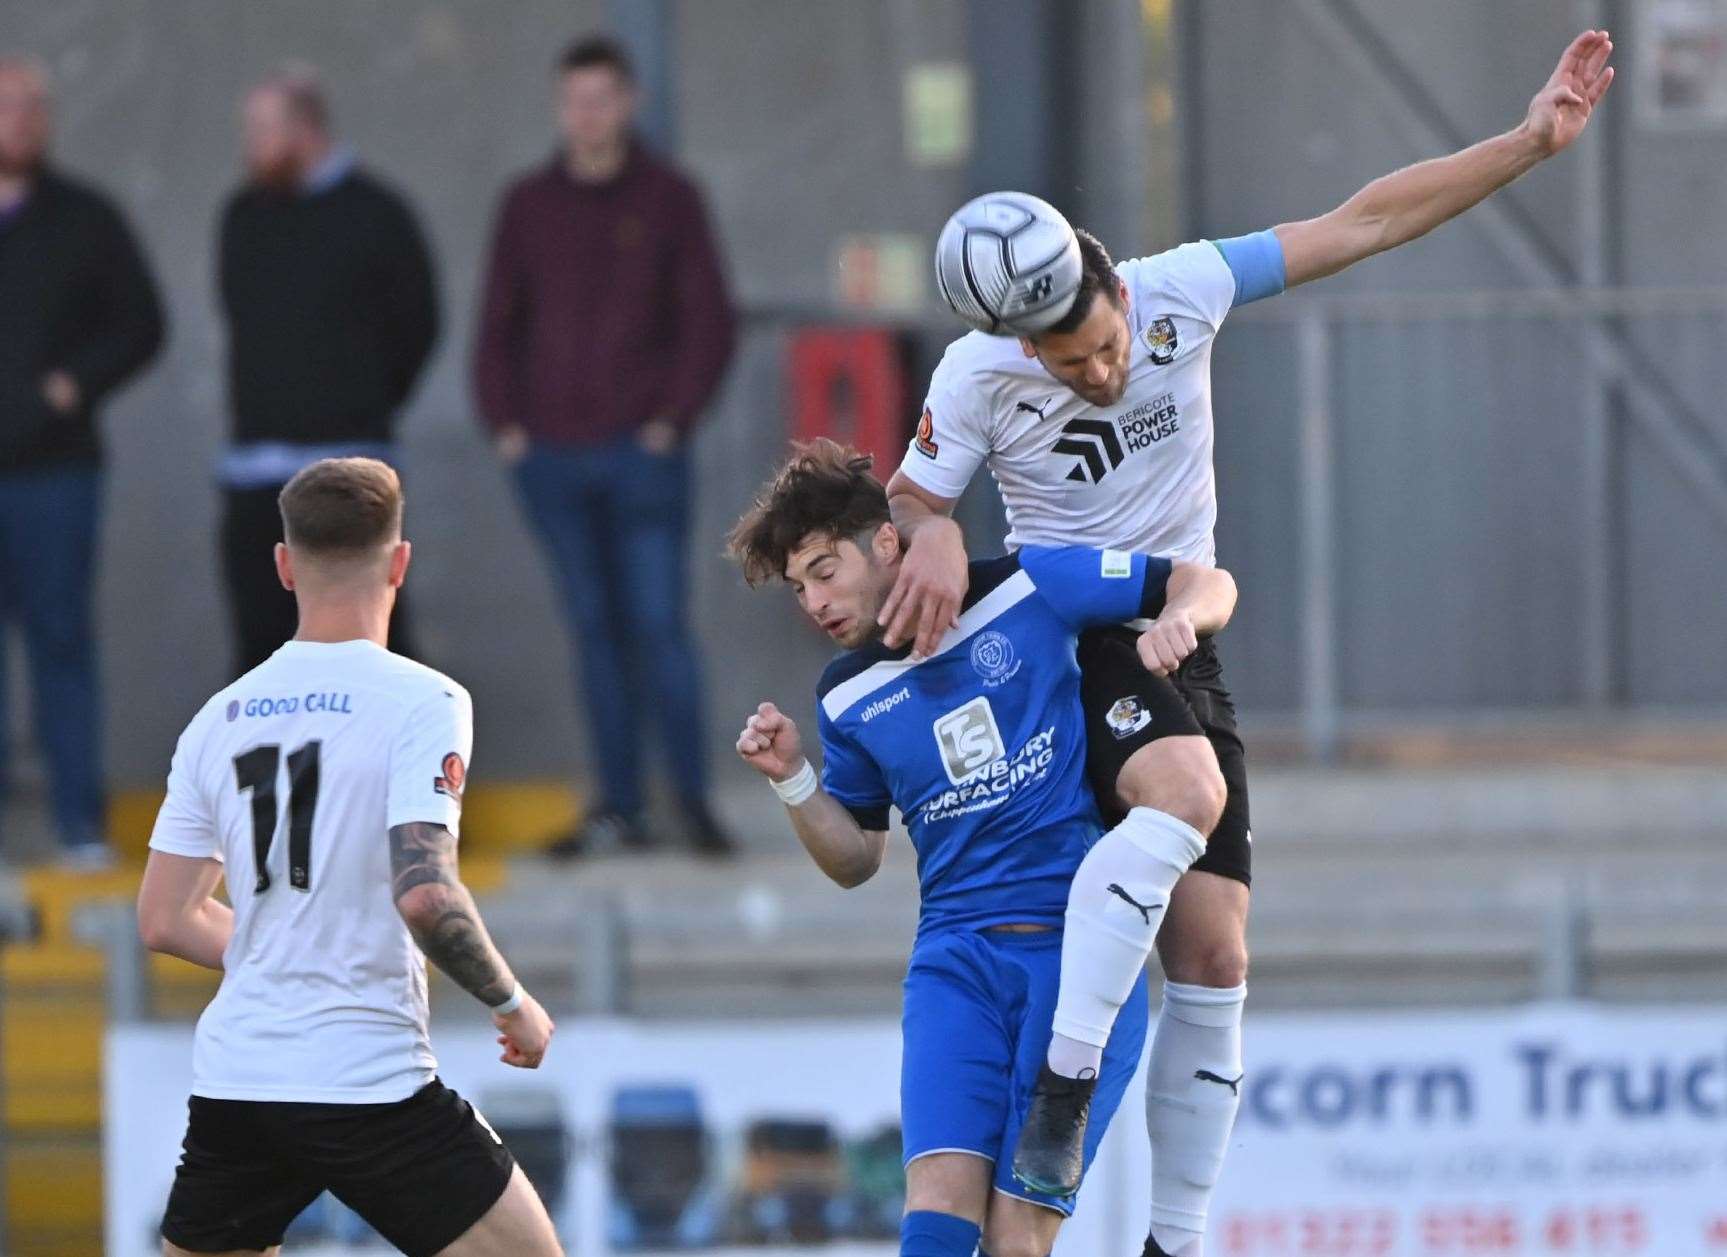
column 926, row 596
column 770, row 744
column 527, row 1033
column 1170, row 639
column 1561, row 109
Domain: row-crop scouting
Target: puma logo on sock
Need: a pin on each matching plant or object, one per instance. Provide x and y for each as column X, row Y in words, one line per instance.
column 1145, row 910
column 1205, row 1075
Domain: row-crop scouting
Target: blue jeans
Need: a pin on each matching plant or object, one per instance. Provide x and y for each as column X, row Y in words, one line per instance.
column 48, row 525
column 614, row 522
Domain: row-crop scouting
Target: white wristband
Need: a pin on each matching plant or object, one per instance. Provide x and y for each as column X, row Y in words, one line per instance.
column 799, row 788
column 510, row 1005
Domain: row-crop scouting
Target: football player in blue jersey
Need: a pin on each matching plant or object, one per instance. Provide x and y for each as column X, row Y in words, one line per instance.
column 981, row 745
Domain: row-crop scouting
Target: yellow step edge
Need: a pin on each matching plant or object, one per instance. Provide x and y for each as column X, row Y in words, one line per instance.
column 54, row 1193
column 54, row 1113
column 508, row 817
column 56, row 895
column 50, row 965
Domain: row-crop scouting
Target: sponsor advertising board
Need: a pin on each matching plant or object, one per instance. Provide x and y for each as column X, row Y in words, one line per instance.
column 1599, row 1132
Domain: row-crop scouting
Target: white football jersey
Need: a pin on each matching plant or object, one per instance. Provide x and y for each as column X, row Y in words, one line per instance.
column 1134, row 476
column 292, row 777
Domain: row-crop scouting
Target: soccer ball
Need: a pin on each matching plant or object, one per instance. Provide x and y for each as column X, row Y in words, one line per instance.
column 1008, row 264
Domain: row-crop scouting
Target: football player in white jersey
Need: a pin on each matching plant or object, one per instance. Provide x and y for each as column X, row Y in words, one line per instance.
column 325, row 787
column 1098, row 433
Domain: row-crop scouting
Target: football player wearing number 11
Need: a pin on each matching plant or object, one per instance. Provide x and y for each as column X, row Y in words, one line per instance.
column 1098, row 431
column 325, row 785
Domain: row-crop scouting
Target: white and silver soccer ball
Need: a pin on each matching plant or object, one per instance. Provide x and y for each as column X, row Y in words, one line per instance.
column 1008, row 264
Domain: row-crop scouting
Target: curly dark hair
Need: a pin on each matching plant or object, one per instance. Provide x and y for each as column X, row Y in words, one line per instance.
column 824, row 488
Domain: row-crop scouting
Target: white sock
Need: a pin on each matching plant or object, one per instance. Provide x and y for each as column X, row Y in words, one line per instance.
column 1193, row 1088
column 1070, row 1058
column 1114, row 907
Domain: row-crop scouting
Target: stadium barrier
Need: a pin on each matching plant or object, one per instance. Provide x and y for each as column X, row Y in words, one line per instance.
column 1563, row 1128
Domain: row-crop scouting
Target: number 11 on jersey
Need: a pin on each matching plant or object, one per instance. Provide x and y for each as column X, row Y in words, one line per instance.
column 255, row 770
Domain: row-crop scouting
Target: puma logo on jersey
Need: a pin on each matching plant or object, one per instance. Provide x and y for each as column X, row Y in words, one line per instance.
column 1234, row 1085
column 1029, row 409
column 1145, row 910
column 1097, row 445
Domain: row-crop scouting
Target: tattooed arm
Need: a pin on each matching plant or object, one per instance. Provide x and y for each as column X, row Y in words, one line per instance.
column 442, row 916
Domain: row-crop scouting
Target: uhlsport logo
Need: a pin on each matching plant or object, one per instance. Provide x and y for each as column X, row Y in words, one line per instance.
column 1160, row 339
column 884, row 705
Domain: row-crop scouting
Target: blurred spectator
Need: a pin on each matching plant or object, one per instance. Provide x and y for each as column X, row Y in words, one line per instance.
column 79, row 316
column 327, row 288
column 605, row 329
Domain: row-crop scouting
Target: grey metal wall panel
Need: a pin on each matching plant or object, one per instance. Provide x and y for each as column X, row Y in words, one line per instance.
column 793, row 118
column 796, row 129
column 1253, row 370
column 1460, row 447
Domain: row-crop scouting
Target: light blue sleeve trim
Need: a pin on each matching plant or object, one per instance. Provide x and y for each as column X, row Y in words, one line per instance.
column 1256, row 261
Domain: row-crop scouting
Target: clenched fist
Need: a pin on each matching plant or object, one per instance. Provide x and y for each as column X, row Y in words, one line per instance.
column 770, row 744
column 1170, row 639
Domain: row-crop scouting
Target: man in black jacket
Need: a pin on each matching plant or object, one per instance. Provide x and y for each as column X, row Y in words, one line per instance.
column 327, row 288
column 79, row 316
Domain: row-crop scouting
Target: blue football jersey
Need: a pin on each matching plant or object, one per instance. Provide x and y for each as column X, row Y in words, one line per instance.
column 981, row 746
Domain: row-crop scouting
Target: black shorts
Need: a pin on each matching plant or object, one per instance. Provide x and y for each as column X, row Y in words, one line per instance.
column 1127, row 707
column 420, row 1171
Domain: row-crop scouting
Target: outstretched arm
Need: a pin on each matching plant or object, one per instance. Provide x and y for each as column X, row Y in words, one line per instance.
column 444, row 920
column 1411, row 202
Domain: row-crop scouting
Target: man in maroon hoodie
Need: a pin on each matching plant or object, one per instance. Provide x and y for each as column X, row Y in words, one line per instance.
column 604, row 330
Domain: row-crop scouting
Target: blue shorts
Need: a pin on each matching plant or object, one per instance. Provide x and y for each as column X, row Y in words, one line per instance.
column 976, row 1028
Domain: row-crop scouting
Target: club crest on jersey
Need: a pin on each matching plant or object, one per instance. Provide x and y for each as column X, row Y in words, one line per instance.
column 1160, row 339
column 925, row 443
column 453, row 777
column 993, row 658
column 1127, row 717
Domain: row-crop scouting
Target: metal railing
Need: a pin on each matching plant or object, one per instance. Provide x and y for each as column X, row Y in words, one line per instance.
column 1592, row 370
column 1497, row 954
column 1617, row 386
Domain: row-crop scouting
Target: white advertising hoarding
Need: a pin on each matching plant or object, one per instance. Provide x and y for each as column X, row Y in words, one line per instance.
column 1552, row 1130
column 1555, row 1130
